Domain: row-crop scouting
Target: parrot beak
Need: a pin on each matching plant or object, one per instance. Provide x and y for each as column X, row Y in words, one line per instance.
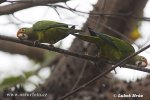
column 141, row 63
column 145, row 63
column 19, row 34
column 22, row 36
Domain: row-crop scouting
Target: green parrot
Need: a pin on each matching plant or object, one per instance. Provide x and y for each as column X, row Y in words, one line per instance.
column 46, row 31
column 112, row 48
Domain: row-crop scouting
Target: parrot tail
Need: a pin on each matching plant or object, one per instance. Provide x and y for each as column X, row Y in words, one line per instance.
column 75, row 30
column 79, row 30
column 93, row 33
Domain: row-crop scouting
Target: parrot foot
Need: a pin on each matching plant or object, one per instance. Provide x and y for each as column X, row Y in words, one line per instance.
column 36, row 42
column 85, row 51
column 115, row 71
column 98, row 54
column 51, row 46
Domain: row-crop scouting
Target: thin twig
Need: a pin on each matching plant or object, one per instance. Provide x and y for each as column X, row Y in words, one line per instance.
column 117, row 32
column 136, row 68
column 25, row 1
column 13, row 15
column 105, row 14
column 90, row 13
column 104, row 73
column 32, row 3
column 140, row 18
column 80, row 76
column 39, row 3
column 57, row 12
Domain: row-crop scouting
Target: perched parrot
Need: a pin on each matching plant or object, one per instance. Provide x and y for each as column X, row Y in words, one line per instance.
column 112, row 48
column 46, row 31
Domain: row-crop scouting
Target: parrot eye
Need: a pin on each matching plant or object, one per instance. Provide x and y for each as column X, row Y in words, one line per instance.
column 142, row 58
column 22, row 30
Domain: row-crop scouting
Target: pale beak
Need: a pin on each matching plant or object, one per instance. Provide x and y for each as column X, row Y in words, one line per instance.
column 141, row 63
column 145, row 63
column 20, row 36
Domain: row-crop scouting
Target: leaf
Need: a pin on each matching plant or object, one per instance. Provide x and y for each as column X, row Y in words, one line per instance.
column 14, row 80
column 11, row 81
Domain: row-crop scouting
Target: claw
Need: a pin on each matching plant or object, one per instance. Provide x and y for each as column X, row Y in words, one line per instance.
column 115, row 71
column 51, row 46
column 98, row 54
column 36, row 42
column 85, row 51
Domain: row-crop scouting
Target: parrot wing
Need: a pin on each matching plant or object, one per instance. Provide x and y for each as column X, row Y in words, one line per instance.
column 45, row 24
column 117, row 47
column 107, row 39
column 124, row 47
column 91, row 39
column 121, row 49
column 114, row 42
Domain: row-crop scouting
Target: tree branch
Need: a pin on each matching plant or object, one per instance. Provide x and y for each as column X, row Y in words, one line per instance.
column 123, row 15
column 36, row 54
column 47, row 47
column 137, row 68
column 19, row 5
column 2, row 1
column 11, row 8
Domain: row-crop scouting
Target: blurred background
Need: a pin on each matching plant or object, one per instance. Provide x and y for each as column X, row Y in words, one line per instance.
column 19, row 64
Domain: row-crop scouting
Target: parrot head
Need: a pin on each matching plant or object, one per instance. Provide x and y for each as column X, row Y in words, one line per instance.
column 23, row 33
column 141, row 61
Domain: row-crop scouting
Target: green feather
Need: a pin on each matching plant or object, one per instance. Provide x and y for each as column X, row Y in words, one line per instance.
column 46, row 24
